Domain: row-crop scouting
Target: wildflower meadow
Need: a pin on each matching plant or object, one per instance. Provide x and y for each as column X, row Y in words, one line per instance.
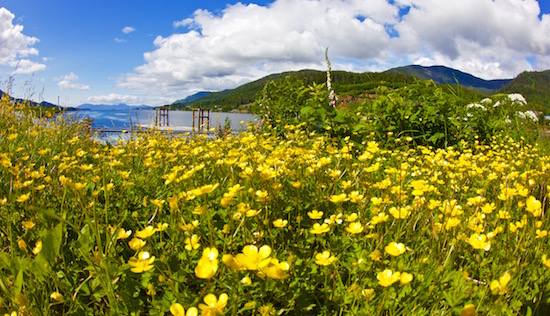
column 417, row 203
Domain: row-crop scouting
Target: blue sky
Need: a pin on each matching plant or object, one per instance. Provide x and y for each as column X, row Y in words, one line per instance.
column 155, row 52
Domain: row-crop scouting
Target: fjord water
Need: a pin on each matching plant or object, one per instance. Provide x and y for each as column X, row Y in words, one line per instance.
column 127, row 119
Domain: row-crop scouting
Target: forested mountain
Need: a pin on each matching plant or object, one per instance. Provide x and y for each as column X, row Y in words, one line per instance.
column 344, row 82
column 443, row 75
column 534, row 86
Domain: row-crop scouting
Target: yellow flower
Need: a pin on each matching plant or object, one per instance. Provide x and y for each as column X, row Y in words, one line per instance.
column 355, row 228
column 376, row 255
column 315, row 214
column 229, row 261
column 123, row 234
column 208, row 264
column 405, row 278
column 533, row 206
column 143, row 262
column 351, row 217
column 146, row 232
column 387, row 277
column 379, row 218
column 479, row 241
column 28, row 224
column 21, row 244
column 339, row 198
column 252, row 213
column 296, row 184
column 262, row 195
column 319, row 229
column 246, row 280
column 199, row 210
column 468, row 310
column 37, row 247
column 395, row 249
column 368, row 293
column 401, row 212
column 214, row 306
column 79, row 186
column 545, row 262
column 23, row 197
column 488, row 208
column 161, row 227
column 275, row 269
column 280, row 223
column 205, row 189
column 177, row 310
column 136, row 244
column 192, row 243
column 158, row 203
column 56, row 296
column 324, row 258
column 252, row 259
column 498, row 287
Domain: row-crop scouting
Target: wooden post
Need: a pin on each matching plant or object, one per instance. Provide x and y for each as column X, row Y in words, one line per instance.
column 161, row 117
column 201, row 116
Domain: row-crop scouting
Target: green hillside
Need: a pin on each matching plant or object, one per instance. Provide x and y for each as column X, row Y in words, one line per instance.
column 345, row 83
column 534, row 86
column 445, row 75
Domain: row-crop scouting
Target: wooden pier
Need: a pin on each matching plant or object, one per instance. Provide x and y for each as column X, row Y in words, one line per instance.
column 161, row 116
column 201, row 116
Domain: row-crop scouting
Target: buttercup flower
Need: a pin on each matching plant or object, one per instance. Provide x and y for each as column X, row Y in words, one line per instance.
column 355, row 228
column 214, row 306
column 498, row 287
column 324, row 258
column 319, row 229
column 387, row 277
column 208, row 264
column 275, row 269
column 252, row 259
column 136, row 244
column 479, row 241
column 405, row 278
column 177, row 310
column 395, row 249
column 280, row 223
column 315, row 214
column 146, row 232
column 192, row 243
column 143, row 262
column 339, row 198
column 37, row 247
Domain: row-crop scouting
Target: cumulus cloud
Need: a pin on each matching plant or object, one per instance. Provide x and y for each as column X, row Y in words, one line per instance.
column 128, row 29
column 67, row 82
column 213, row 51
column 114, row 98
column 15, row 46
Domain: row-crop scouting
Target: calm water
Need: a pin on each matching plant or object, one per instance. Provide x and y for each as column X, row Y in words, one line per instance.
column 128, row 118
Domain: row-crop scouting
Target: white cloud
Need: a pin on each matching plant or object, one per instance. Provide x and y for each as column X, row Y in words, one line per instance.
column 128, row 29
column 15, row 46
column 490, row 39
column 67, row 82
column 119, row 40
column 115, row 98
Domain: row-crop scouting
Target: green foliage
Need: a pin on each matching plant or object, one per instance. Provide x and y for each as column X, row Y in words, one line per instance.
column 534, row 86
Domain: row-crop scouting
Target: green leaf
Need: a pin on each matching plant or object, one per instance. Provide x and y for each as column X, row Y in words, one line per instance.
column 51, row 244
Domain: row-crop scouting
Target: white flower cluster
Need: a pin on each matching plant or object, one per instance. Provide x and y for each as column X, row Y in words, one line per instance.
column 515, row 98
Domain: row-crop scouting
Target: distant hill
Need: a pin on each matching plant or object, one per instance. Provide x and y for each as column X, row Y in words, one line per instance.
column 193, row 97
column 43, row 103
column 445, row 75
column 110, row 107
column 344, row 82
column 534, row 86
